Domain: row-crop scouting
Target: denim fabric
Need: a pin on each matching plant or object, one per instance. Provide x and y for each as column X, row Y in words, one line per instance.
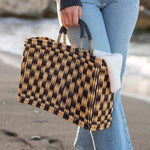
column 111, row 23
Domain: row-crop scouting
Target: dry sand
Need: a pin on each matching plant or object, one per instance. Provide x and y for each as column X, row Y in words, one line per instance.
column 19, row 122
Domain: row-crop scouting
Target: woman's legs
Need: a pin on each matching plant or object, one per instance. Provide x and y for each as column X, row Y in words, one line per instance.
column 111, row 30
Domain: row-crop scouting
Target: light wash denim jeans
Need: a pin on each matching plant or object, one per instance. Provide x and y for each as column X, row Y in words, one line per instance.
column 111, row 23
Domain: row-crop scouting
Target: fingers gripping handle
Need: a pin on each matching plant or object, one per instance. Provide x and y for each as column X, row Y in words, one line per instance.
column 82, row 26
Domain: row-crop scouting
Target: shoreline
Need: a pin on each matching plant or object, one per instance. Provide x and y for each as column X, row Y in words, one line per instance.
column 136, row 96
column 14, row 60
column 11, row 59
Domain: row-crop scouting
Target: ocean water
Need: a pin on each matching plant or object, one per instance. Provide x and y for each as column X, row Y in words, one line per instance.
column 13, row 32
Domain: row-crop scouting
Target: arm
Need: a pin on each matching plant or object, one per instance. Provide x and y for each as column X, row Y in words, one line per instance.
column 70, row 12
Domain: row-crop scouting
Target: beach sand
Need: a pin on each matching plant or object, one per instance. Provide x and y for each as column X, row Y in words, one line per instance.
column 19, row 122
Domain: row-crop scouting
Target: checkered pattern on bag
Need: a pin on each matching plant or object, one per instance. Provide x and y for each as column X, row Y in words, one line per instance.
column 61, row 80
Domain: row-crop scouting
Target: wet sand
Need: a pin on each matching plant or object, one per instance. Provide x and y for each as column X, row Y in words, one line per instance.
column 19, row 122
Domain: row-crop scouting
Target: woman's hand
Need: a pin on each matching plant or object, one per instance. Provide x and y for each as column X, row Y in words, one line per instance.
column 70, row 16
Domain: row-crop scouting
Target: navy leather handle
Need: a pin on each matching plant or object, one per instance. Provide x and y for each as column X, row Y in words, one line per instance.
column 63, row 30
column 83, row 26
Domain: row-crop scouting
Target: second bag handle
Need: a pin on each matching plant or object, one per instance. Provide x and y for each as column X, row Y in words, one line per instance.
column 82, row 26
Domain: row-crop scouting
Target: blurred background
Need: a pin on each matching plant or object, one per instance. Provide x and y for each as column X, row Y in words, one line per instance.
column 25, row 18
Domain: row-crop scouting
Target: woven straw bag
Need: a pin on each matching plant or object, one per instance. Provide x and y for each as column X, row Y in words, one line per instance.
column 67, row 81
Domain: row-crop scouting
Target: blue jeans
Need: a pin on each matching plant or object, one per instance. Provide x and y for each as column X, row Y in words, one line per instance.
column 111, row 23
